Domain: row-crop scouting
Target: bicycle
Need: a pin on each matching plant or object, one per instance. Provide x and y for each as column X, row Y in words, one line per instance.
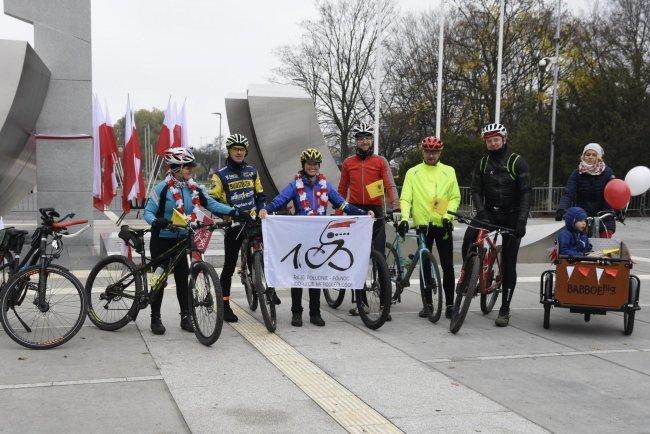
column 118, row 289
column 597, row 223
column 401, row 268
column 478, row 272
column 252, row 274
column 48, row 312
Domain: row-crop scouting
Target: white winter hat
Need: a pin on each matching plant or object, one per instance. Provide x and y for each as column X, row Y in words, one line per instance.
column 594, row 147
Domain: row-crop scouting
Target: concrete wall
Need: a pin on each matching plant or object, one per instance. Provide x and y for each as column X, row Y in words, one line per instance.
column 62, row 39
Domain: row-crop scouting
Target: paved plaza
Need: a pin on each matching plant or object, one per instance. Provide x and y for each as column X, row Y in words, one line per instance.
column 410, row 375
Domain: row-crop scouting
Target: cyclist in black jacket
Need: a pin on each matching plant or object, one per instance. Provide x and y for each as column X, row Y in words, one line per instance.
column 502, row 195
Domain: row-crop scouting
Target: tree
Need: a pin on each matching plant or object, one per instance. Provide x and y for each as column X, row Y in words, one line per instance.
column 332, row 60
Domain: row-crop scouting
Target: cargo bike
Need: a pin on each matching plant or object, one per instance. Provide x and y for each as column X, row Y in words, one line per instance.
column 593, row 285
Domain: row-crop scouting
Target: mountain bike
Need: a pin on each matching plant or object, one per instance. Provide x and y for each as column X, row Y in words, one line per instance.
column 42, row 305
column 400, row 269
column 118, row 289
column 481, row 273
column 252, row 274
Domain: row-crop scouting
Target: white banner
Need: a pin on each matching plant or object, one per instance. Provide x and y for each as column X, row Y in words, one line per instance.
column 317, row 251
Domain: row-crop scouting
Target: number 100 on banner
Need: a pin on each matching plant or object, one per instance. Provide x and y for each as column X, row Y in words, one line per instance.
column 317, row 251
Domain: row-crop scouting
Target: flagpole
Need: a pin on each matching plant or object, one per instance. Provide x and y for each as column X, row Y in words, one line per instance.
column 497, row 110
column 377, row 82
column 441, row 37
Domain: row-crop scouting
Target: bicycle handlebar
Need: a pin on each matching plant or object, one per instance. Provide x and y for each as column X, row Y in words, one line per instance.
column 490, row 226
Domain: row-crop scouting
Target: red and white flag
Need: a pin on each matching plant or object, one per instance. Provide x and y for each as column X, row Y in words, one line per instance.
column 98, row 118
column 133, row 185
column 166, row 136
column 176, row 133
column 182, row 121
column 104, row 154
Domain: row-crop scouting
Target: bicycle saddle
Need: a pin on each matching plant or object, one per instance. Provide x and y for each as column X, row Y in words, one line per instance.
column 133, row 237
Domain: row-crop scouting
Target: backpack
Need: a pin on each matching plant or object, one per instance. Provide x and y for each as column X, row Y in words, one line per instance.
column 510, row 164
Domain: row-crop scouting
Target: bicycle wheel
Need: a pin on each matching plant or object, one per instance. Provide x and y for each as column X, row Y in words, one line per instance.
column 373, row 302
column 628, row 321
column 246, row 279
column 113, row 290
column 43, row 322
column 488, row 300
column 332, row 300
column 394, row 270
column 205, row 303
column 465, row 291
column 431, row 276
column 264, row 294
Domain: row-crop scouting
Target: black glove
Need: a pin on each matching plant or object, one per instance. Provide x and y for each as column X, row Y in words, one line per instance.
column 403, row 228
column 520, row 229
column 559, row 214
column 159, row 223
column 447, row 225
column 483, row 215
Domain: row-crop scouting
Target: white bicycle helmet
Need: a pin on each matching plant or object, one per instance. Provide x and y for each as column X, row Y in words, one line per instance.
column 491, row 130
column 236, row 140
column 179, row 156
column 362, row 129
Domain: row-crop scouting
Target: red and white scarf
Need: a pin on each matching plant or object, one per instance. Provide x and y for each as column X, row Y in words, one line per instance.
column 175, row 187
column 322, row 195
column 591, row 169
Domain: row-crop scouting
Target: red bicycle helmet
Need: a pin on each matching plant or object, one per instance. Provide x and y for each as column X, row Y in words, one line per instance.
column 431, row 143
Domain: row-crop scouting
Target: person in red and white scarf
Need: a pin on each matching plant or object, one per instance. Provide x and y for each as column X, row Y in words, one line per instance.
column 310, row 192
column 177, row 191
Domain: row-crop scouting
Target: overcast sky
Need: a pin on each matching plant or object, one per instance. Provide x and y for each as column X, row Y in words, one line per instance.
column 199, row 49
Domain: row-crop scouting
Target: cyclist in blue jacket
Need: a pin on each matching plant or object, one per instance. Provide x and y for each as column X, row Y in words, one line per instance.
column 177, row 191
column 310, row 193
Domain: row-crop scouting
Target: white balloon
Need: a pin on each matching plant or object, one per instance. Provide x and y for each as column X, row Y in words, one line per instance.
column 638, row 178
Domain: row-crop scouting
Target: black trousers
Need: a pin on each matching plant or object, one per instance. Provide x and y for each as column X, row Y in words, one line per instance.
column 509, row 252
column 232, row 245
column 445, row 246
column 157, row 247
column 314, row 301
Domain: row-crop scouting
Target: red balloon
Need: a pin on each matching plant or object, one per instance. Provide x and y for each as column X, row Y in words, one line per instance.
column 617, row 194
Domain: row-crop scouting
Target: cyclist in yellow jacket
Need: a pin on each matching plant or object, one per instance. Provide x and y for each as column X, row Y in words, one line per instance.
column 427, row 188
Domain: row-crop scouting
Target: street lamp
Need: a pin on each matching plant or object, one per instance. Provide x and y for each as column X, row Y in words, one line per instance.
column 219, row 114
column 556, row 65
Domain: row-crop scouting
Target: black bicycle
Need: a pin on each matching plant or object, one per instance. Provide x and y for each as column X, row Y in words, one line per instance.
column 118, row 289
column 252, row 274
column 42, row 305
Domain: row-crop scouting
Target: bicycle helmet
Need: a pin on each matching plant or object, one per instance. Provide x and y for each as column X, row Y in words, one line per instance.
column 491, row 130
column 179, row 157
column 236, row 140
column 431, row 143
column 311, row 154
column 362, row 129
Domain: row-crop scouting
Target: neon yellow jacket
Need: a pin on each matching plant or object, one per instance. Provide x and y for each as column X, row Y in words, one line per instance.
column 422, row 184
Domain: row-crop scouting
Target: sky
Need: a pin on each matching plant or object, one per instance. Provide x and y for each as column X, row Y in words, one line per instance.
column 201, row 50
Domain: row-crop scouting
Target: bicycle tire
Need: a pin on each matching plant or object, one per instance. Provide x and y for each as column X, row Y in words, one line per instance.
column 264, row 293
column 246, row 278
column 208, row 301
column 380, row 285
column 489, row 300
column 465, row 291
column 628, row 321
column 431, row 275
column 124, row 312
column 395, row 272
column 334, row 302
column 16, row 295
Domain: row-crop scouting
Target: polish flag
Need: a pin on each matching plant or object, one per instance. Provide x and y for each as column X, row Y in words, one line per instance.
column 166, row 136
column 98, row 119
column 176, row 133
column 181, row 136
column 108, row 145
column 133, row 185
column 104, row 181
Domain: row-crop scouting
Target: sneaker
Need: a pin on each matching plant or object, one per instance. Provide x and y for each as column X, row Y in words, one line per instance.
column 186, row 323
column 276, row 299
column 228, row 314
column 296, row 319
column 449, row 310
column 426, row 311
column 316, row 320
column 157, row 327
column 354, row 311
column 503, row 319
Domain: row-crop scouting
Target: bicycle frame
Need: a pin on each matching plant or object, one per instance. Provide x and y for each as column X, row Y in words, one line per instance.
column 486, row 255
column 405, row 269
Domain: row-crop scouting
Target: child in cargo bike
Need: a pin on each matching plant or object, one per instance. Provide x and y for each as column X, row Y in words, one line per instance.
column 572, row 239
